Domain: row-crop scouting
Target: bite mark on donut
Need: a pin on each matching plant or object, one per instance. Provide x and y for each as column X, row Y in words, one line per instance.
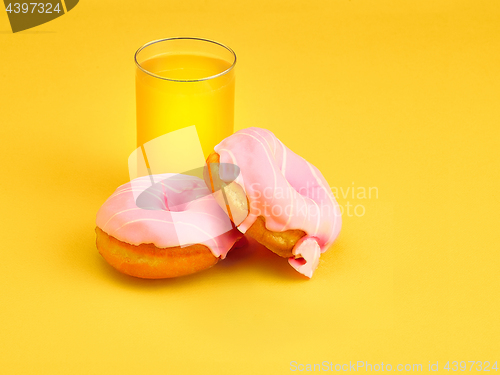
column 281, row 243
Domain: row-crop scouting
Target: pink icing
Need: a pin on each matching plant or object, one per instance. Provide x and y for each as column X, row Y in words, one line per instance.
column 182, row 208
column 287, row 190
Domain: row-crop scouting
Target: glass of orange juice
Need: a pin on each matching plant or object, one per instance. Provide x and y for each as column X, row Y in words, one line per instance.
column 182, row 82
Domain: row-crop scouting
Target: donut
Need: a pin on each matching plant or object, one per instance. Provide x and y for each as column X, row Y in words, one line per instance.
column 278, row 198
column 163, row 226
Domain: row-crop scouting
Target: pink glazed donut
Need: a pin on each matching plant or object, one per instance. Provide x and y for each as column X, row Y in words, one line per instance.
column 163, row 226
column 279, row 199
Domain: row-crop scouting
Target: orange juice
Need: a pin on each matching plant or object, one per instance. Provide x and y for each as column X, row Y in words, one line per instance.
column 179, row 90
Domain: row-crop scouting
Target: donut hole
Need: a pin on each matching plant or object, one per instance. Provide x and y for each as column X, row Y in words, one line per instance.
column 173, row 194
column 153, row 198
column 180, row 202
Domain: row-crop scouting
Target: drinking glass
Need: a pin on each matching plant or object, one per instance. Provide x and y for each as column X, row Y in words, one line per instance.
column 181, row 82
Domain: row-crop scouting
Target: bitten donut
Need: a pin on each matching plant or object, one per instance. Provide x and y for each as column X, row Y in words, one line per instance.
column 278, row 198
column 169, row 228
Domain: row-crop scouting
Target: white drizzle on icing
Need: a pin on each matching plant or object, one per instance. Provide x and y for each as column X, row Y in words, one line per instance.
column 266, row 167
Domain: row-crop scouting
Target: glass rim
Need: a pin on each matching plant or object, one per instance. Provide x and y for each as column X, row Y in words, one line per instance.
column 184, row 38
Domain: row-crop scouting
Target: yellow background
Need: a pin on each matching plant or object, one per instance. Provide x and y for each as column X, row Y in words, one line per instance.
column 399, row 95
